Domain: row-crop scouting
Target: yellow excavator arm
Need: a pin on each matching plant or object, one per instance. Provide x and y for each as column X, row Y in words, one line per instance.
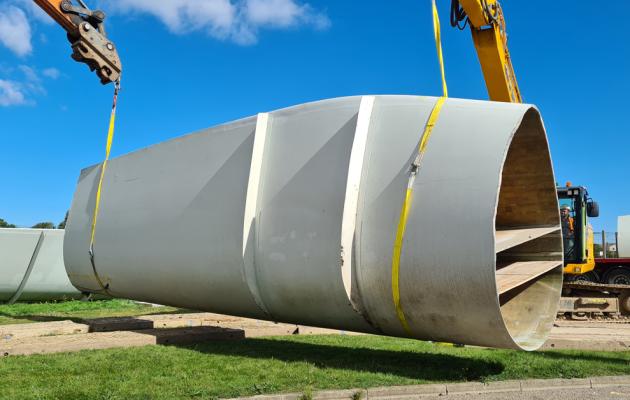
column 86, row 33
column 487, row 25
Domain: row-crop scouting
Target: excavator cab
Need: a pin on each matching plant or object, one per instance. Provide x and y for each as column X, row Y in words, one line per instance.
column 576, row 207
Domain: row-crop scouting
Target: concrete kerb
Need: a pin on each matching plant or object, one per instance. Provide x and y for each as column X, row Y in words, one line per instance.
column 603, row 381
column 406, row 392
column 541, row 384
column 420, row 391
column 321, row 395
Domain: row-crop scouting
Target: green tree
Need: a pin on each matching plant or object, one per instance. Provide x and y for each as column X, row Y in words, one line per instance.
column 43, row 225
column 5, row 224
column 62, row 224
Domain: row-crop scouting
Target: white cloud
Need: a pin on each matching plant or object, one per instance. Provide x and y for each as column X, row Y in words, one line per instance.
column 52, row 73
column 235, row 20
column 15, row 31
column 23, row 84
column 11, row 93
column 33, row 10
column 183, row 16
column 29, row 73
column 31, row 84
column 20, row 84
column 283, row 13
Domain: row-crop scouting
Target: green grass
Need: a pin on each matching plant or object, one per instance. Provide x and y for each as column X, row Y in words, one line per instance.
column 281, row 364
column 75, row 310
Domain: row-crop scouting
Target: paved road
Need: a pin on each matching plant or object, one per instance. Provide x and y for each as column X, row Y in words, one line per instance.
column 606, row 393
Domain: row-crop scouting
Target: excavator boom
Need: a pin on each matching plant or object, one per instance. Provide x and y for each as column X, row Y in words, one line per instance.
column 53, row 9
column 86, row 33
column 487, row 26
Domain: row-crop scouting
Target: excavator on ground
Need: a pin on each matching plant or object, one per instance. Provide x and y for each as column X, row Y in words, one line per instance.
column 592, row 285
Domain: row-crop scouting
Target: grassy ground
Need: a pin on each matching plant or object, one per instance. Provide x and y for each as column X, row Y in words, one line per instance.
column 282, row 364
column 75, row 310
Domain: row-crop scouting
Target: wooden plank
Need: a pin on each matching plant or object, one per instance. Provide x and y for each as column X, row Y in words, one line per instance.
column 121, row 324
column 518, row 273
column 507, row 238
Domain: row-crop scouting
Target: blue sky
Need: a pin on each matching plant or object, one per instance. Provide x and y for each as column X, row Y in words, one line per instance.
column 191, row 64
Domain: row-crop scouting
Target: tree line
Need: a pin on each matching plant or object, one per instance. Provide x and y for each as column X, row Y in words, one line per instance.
column 39, row 225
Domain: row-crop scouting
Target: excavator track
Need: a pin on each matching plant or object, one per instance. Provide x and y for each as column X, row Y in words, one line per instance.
column 591, row 300
column 593, row 286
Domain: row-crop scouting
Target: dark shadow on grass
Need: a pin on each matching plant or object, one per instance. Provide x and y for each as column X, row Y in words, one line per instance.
column 422, row 366
column 40, row 318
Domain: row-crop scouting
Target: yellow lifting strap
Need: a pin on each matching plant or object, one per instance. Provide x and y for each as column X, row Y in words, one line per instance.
column 438, row 45
column 406, row 206
column 97, row 202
